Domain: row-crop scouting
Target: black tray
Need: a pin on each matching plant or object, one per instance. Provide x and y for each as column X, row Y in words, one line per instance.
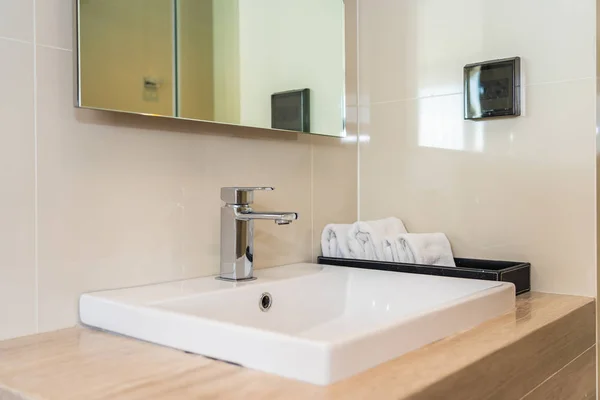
column 504, row 271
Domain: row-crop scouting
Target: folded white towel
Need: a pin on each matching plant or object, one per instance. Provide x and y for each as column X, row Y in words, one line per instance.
column 334, row 240
column 365, row 239
column 389, row 249
column 422, row 248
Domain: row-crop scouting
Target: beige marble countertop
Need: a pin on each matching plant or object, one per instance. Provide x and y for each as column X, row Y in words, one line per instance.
column 80, row 363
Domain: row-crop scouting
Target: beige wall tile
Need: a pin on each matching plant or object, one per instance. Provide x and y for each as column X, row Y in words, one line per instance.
column 416, row 48
column 16, row 19
column 334, row 183
column 17, row 182
column 518, row 189
column 334, row 161
column 54, row 23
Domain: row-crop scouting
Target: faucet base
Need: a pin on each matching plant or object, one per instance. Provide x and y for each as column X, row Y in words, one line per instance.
column 220, row 278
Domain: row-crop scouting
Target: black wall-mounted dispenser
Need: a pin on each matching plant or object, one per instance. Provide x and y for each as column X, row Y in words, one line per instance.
column 493, row 89
column 290, row 110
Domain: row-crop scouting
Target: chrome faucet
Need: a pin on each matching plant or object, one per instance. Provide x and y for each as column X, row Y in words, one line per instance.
column 237, row 231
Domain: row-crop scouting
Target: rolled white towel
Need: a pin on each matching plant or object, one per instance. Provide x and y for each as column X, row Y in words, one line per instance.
column 422, row 248
column 334, row 240
column 365, row 239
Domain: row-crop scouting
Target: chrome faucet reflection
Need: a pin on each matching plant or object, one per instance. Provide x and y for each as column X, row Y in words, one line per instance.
column 237, row 231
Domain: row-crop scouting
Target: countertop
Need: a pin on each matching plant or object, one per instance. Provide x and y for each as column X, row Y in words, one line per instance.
column 503, row 358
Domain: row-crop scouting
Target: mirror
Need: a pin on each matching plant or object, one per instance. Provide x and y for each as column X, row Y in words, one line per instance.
column 276, row 64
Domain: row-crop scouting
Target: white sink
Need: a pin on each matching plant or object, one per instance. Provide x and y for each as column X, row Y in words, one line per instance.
column 325, row 323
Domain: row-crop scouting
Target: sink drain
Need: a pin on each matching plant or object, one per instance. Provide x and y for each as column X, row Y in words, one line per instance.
column 265, row 302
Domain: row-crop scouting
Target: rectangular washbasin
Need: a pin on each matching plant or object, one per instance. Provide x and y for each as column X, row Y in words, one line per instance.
column 315, row 323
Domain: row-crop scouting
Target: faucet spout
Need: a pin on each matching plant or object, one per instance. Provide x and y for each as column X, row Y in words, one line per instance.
column 280, row 218
column 237, row 231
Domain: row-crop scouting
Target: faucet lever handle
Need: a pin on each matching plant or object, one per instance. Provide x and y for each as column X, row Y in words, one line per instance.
column 241, row 195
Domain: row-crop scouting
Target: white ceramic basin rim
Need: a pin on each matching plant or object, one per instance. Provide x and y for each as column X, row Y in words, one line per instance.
column 324, row 324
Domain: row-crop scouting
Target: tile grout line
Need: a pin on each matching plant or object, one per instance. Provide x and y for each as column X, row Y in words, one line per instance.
column 407, row 99
column 433, row 96
column 358, row 108
column 557, row 372
column 560, row 81
column 9, row 39
column 312, row 201
column 35, row 178
column 53, row 47
column 596, row 58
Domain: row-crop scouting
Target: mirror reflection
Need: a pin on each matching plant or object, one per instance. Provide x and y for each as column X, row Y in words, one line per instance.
column 262, row 63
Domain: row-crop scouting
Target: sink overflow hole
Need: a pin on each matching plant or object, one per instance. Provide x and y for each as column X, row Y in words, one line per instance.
column 265, row 302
